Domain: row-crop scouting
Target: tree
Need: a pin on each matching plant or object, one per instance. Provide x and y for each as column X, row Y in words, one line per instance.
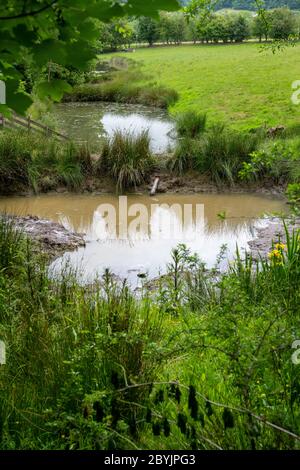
column 172, row 27
column 165, row 27
column 147, row 30
column 63, row 32
column 283, row 23
column 179, row 27
column 261, row 26
column 239, row 28
column 192, row 31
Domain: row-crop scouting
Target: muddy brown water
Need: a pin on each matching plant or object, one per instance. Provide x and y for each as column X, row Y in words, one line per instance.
column 136, row 235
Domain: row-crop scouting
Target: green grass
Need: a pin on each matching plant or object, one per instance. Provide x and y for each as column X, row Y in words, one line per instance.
column 127, row 159
column 220, row 153
column 31, row 161
column 237, row 84
column 124, row 87
column 190, row 124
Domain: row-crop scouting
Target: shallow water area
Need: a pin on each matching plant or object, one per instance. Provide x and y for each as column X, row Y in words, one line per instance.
column 93, row 122
column 135, row 234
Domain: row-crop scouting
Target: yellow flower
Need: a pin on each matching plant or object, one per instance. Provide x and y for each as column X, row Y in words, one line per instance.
column 280, row 246
column 275, row 255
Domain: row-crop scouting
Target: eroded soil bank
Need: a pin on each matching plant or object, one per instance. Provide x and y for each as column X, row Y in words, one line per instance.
column 189, row 183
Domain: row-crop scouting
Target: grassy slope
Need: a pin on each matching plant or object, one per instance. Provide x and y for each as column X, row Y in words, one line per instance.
column 236, row 83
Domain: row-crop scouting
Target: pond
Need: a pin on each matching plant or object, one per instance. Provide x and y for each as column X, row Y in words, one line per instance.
column 94, row 121
column 135, row 234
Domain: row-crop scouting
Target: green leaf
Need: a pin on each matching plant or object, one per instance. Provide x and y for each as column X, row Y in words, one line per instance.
column 55, row 89
column 17, row 101
column 50, row 50
column 5, row 111
column 88, row 30
column 79, row 54
column 105, row 11
column 150, row 7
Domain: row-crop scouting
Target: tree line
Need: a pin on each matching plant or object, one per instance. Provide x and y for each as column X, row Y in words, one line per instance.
column 250, row 4
column 214, row 27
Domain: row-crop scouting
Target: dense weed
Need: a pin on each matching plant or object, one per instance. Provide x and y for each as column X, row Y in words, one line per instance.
column 203, row 363
column 219, row 153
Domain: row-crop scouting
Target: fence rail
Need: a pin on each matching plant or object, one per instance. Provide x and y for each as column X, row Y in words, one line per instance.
column 16, row 121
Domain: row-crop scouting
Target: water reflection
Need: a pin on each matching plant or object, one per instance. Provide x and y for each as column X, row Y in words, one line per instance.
column 140, row 236
column 95, row 121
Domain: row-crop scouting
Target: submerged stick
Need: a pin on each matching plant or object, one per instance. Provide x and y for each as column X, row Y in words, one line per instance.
column 155, row 186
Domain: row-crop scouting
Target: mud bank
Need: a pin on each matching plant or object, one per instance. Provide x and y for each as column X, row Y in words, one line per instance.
column 189, row 183
column 52, row 238
column 273, row 232
column 193, row 182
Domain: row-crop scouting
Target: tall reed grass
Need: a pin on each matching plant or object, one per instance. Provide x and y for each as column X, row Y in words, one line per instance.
column 190, row 124
column 127, row 158
column 219, row 153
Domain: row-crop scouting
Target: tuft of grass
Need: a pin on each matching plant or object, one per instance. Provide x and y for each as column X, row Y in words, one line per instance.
column 221, row 152
column 39, row 163
column 190, row 124
column 11, row 246
column 127, row 158
column 184, row 156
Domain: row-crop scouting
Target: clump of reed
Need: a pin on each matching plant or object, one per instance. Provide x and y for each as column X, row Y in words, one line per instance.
column 190, row 124
column 218, row 152
column 127, row 158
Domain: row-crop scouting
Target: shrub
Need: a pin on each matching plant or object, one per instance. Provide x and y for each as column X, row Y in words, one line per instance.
column 127, row 159
column 278, row 162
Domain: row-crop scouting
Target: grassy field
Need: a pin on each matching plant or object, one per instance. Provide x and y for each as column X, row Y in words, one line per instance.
column 239, row 84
